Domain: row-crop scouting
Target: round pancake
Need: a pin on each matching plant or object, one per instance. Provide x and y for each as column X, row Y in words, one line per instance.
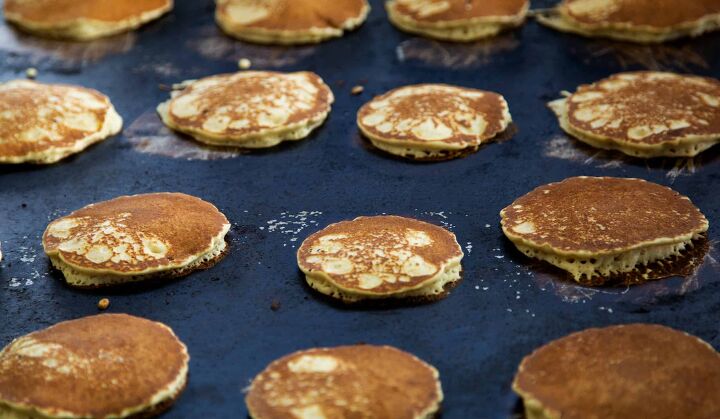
column 289, row 21
column 135, row 238
column 628, row 371
column 83, row 20
column 645, row 114
column 643, row 21
column 108, row 365
column 433, row 121
column 381, row 257
column 249, row 109
column 456, row 20
column 601, row 225
column 44, row 123
column 346, row 381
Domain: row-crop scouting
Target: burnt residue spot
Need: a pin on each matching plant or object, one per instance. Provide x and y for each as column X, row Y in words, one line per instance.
column 455, row 55
column 651, row 57
column 275, row 305
column 645, row 282
column 149, row 135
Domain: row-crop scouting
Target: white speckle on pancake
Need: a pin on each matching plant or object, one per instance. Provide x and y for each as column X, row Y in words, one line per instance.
column 308, row 412
column 417, row 238
column 337, row 266
column 526, row 227
column 313, row 364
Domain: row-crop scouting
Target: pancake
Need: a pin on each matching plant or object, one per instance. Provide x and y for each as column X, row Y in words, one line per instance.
column 289, row 21
column 44, row 123
column 628, row 371
column 371, row 258
column 108, row 365
column 136, row 238
column 643, row 21
column 346, row 382
column 249, row 109
column 594, row 227
column 457, row 20
column 82, row 20
column 433, row 121
column 645, row 114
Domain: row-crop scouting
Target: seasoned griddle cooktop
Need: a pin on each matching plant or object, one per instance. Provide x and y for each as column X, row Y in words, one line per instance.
column 253, row 307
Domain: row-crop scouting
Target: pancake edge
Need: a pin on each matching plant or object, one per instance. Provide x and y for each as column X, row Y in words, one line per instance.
column 84, row 29
column 429, row 289
column 627, row 32
column 111, row 126
column 88, row 278
column 459, row 30
column 429, row 413
column 262, row 139
column 687, row 146
column 159, row 402
column 533, row 407
column 311, row 35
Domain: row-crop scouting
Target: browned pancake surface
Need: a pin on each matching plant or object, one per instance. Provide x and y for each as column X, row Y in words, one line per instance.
column 135, row 233
column 652, row 13
column 249, row 102
column 451, row 10
column 647, row 107
column 291, row 15
column 92, row 367
column 435, row 113
column 58, row 11
column 601, row 214
column 345, row 382
column 630, row 371
column 383, row 254
column 36, row 117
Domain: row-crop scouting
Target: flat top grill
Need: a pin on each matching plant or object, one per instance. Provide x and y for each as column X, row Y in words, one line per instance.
column 253, row 306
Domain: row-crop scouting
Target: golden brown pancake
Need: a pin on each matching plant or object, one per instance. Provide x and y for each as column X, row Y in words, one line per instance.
column 628, row 371
column 636, row 20
column 109, row 365
column 381, row 257
column 456, row 20
column 135, row 238
column 44, row 123
column 594, row 227
column 645, row 114
column 346, row 382
column 289, row 21
column 433, row 121
column 83, row 20
column 249, row 109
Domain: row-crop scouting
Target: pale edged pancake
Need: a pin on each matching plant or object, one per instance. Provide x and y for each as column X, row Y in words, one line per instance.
column 44, row 123
column 108, row 365
column 289, row 21
column 642, row 21
column 433, row 121
column 645, row 114
column 456, row 20
column 83, row 20
column 249, row 109
column 381, row 257
column 594, row 227
column 626, row 371
column 136, row 238
column 346, row 382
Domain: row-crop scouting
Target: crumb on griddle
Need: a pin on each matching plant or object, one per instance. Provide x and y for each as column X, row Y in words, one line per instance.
column 103, row 304
column 356, row 90
column 275, row 305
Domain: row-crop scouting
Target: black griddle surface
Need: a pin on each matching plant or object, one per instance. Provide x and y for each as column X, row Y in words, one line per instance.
column 476, row 337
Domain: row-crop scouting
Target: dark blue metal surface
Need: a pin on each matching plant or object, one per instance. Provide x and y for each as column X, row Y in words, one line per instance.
column 476, row 336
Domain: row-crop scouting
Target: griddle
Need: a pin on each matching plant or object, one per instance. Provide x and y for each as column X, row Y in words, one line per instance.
column 253, row 306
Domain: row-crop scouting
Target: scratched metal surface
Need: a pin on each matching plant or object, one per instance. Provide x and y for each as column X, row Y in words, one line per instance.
column 476, row 337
